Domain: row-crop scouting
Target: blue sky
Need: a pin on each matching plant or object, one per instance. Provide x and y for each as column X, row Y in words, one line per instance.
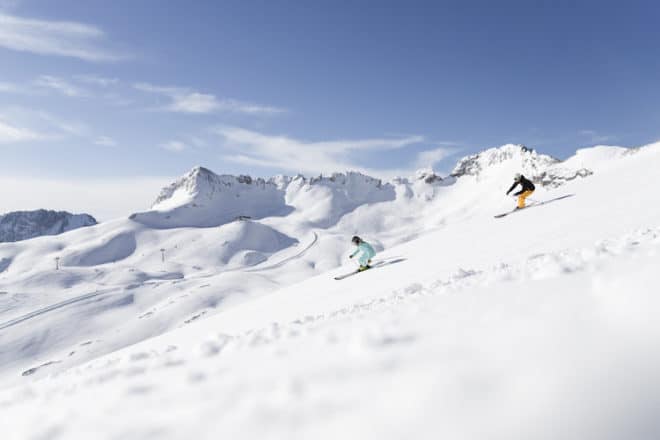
column 97, row 95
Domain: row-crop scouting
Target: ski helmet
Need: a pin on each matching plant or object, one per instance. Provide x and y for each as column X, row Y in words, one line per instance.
column 356, row 239
column 517, row 177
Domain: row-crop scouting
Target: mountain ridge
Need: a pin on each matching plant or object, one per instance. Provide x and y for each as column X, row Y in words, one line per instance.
column 24, row 225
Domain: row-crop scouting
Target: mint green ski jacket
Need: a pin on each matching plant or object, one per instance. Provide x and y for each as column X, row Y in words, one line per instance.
column 367, row 250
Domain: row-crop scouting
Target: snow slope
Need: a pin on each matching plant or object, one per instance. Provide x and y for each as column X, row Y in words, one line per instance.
column 538, row 325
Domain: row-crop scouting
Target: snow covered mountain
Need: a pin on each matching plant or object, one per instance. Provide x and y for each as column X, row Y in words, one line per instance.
column 323, row 201
column 541, row 168
column 202, row 198
column 23, row 225
column 535, row 325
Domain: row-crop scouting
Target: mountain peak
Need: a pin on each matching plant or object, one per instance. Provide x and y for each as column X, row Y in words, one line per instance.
column 526, row 158
column 202, row 183
column 428, row 176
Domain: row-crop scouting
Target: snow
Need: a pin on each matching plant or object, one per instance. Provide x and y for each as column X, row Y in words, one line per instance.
column 204, row 199
column 538, row 325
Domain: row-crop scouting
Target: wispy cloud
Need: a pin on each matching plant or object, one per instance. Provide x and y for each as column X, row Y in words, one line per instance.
column 107, row 90
column 428, row 158
column 184, row 100
column 234, row 106
column 59, row 85
column 105, row 141
column 97, row 80
column 64, row 127
column 44, row 84
column 6, row 87
column 174, row 146
column 59, row 38
column 282, row 152
column 46, row 126
column 596, row 137
column 10, row 133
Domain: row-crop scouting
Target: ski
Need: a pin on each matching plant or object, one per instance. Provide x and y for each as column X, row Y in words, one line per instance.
column 346, row 275
column 532, row 205
column 357, row 271
column 511, row 212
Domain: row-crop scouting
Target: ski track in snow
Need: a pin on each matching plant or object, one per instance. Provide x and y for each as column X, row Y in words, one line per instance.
column 56, row 306
column 87, row 296
column 297, row 256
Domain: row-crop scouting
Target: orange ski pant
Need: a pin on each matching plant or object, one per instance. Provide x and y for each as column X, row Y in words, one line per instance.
column 522, row 197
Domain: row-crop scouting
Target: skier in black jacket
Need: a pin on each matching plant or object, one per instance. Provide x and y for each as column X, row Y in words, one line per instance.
column 526, row 191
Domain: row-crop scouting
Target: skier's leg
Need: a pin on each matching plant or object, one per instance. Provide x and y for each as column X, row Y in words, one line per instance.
column 364, row 261
column 522, row 197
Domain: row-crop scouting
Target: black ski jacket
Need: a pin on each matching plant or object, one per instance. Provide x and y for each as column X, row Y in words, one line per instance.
column 526, row 184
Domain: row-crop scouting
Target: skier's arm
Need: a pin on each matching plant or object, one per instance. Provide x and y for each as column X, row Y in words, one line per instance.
column 354, row 253
column 512, row 187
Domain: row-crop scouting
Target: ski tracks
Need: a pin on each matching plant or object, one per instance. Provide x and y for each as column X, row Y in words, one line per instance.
column 297, row 256
column 87, row 296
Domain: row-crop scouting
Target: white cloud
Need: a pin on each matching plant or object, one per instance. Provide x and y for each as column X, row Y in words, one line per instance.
column 428, row 158
column 60, row 38
column 596, row 137
column 10, row 133
column 234, row 106
column 294, row 155
column 194, row 103
column 97, row 80
column 105, row 141
column 43, row 84
column 61, row 126
column 184, row 100
column 44, row 125
column 6, row 87
column 59, row 85
column 174, row 146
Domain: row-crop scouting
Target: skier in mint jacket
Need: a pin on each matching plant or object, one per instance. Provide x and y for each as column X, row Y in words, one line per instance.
column 367, row 251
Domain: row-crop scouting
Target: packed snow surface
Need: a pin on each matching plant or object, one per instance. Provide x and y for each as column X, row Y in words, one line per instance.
column 192, row 320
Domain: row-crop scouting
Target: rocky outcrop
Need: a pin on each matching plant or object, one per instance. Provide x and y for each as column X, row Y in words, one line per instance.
column 23, row 225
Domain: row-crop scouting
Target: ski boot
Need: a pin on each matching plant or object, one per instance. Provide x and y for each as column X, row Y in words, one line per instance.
column 365, row 267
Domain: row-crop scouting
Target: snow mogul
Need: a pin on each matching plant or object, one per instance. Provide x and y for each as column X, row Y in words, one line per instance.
column 367, row 252
column 526, row 191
